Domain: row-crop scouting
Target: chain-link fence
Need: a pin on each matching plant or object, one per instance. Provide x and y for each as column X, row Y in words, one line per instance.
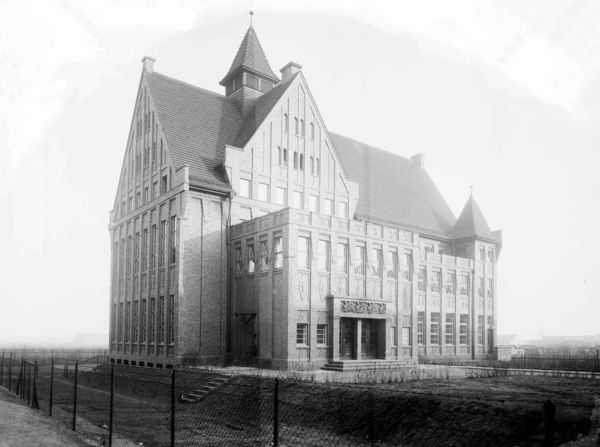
column 119, row 404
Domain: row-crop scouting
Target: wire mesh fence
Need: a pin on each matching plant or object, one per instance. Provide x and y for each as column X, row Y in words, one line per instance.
column 120, row 404
column 590, row 363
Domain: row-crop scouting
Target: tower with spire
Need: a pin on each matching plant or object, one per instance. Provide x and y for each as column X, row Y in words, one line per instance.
column 250, row 74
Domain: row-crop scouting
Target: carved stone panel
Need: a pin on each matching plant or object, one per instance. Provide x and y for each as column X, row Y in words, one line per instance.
column 359, row 287
column 362, row 307
column 303, row 287
column 341, row 288
column 323, row 287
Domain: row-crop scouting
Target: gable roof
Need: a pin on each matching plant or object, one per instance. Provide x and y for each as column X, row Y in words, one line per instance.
column 250, row 56
column 263, row 105
column 393, row 189
column 197, row 124
column 471, row 223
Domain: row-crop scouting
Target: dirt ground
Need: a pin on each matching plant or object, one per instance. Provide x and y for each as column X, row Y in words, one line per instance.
column 21, row 426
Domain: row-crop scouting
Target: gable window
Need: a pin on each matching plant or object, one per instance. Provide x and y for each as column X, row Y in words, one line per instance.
column 312, row 165
column 279, row 156
column 264, row 256
column 303, row 253
column 238, row 260
column 280, row 195
column 298, row 200
column 323, row 255
column 295, row 160
column 302, row 162
column 313, row 203
column 244, row 188
column 286, row 122
column 342, row 257
column 250, row 250
column 263, row 192
column 302, row 130
column 312, row 131
column 278, row 250
column 296, row 126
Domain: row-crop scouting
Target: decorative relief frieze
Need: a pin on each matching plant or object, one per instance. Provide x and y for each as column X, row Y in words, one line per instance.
column 362, row 307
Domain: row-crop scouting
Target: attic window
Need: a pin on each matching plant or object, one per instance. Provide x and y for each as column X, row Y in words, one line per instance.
column 302, row 129
column 252, row 81
column 265, row 86
column 296, row 125
column 295, row 160
column 312, row 131
column 286, row 122
column 285, row 158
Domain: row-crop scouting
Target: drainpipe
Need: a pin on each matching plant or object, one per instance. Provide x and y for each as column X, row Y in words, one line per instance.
column 228, row 275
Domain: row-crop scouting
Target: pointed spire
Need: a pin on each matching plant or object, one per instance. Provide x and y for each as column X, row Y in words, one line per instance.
column 250, row 57
column 471, row 222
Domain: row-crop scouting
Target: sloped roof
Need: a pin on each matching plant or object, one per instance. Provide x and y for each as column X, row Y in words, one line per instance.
column 250, row 56
column 197, row 124
column 471, row 223
column 393, row 189
column 263, row 105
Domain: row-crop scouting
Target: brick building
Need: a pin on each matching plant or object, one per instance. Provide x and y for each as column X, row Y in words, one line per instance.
column 243, row 229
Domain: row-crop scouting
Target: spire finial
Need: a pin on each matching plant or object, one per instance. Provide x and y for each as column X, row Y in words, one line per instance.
column 251, row 14
column 471, row 188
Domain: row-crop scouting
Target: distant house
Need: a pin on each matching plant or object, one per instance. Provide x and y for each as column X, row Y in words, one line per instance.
column 507, row 352
column 531, row 350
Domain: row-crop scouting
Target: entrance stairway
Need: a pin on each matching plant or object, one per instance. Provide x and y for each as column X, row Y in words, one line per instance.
column 214, row 384
column 366, row 365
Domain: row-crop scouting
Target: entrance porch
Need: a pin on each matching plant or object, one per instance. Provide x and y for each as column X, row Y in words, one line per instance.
column 361, row 339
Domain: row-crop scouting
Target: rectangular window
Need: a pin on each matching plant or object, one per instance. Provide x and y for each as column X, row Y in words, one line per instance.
column 464, row 329
column 434, row 328
column 491, row 257
column 436, row 279
column 303, row 255
column 278, row 251
column 313, row 203
column 420, row 328
column 264, row 256
column 138, row 199
column 136, row 253
column 342, row 210
column 161, row 319
column 251, row 261
column 153, row 247
column 143, row 322
column 173, row 242
column 263, row 192
column 152, row 320
column 450, row 283
column 161, row 243
column 298, row 200
column 490, row 288
column 154, row 190
column 120, row 323
column 449, row 329
column 480, row 329
column 127, row 320
column 342, row 257
column 376, row 262
column 146, row 192
column 252, row 81
column 302, row 334
column 422, row 279
column 171, row 317
column 391, row 264
column 393, row 336
column 464, row 284
column 406, row 341
column 280, row 195
column 480, row 290
column 407, row 266
column 145, row 250
column 322, row 335
column 238, row 260
column 490, row 320
column 482, row 253
column 163, row 184
column 328, row 207
column 129, row 256
column 360, row 254
column 244, row 188
column 134, row 331
column 323, row 255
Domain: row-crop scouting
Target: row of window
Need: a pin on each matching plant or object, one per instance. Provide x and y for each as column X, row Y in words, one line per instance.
column 137, row 321
column 148, row 195
column 435, row 329
column 302, row 334
column 297, row 201
column 150, row 243
column 263, row 259
column 299, row 127
column 298, row 161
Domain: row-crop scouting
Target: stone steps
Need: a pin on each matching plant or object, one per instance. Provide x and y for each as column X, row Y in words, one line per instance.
column 204, row 390
column 366, row 365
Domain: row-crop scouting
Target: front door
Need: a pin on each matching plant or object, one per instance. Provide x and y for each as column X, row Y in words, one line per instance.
column 346, row 339
column 368, row 339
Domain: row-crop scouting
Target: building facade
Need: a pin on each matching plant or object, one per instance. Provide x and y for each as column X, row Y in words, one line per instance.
column 244, row 230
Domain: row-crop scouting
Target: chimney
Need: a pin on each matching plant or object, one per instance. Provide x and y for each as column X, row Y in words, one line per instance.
column 289, row 70
column 419, row 160
column 148, row 63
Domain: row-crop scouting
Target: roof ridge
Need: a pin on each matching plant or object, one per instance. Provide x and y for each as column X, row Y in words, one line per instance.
column 371, row 146
column 220, row 95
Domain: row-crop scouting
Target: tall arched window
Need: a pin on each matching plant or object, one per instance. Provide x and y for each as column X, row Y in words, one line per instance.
column 302, row 127
column 285, row 159
column 312, row 165
column 318, row 166
column 279, row 160
column 286, row 122
column 312, row 131
column 302, row 162
column 295, row 160
column 296, row 125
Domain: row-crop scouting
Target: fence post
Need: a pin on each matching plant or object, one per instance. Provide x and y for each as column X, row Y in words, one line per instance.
column 34, row 400
column 51, row 386
column 20, row 381
column 9, row 371
column 28, row 383
column 276, row 413
column 549, row 410
column 75, row 396
column 112, row 395
column 2, row 371
column 173, row 408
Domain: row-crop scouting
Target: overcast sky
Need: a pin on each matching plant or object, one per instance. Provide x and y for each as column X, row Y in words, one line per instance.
column 504, row 96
